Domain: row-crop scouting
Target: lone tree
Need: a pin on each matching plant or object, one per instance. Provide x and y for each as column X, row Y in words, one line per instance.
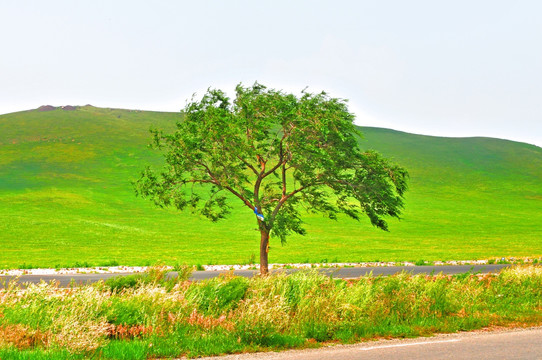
column 276, row 153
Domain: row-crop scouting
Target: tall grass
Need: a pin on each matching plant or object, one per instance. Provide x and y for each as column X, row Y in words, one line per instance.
column 170, row 318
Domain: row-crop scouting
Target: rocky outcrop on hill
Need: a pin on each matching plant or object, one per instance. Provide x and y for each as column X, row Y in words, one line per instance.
column 46, row 108
column 51, row 107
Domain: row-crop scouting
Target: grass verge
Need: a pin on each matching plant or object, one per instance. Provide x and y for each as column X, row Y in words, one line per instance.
column 155, row 316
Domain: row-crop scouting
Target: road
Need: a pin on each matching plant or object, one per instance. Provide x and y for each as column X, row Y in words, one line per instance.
column 525, row 344
column 343, row 273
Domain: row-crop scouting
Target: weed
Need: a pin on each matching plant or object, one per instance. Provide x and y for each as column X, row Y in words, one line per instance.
column 118, row 283
column 250, row 261
column 84, row 264
column 183, row 273
column 154, row 275
column 217, row 295
column 22, row 337
column 110, row 263
column 128, row 332
column 26, row 266
column 158, row 316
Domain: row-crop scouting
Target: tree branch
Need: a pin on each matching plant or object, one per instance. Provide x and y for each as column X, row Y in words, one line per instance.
column 282, row 161
column 243, row 199
column 227, row 187
column 199, row 181
column 209, row 172
column 283, row 200
column 273, row 169
column 249, row 165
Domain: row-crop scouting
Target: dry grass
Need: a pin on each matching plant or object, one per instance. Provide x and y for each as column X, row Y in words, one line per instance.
column 22, row 337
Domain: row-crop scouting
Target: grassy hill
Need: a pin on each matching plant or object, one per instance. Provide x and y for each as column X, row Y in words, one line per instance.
column 66, row 198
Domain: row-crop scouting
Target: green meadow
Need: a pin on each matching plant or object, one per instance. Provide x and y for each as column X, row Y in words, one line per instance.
column 66, row 199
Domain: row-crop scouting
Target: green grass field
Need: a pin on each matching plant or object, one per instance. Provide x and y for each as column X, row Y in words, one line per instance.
column 66, row 199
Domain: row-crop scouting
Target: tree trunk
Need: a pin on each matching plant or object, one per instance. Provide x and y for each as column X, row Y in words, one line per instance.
column 264, row 250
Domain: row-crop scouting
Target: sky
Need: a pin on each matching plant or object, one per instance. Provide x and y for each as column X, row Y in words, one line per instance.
column 445, row 68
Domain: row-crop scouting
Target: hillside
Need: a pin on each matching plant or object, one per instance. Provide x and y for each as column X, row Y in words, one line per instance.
column 66, row 198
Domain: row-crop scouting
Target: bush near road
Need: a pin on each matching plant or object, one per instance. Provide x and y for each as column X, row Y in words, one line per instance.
column 157, row 317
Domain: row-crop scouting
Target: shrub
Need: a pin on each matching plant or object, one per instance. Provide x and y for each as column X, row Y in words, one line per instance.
column 118, row 283
column 218, row 295
column 156, row 275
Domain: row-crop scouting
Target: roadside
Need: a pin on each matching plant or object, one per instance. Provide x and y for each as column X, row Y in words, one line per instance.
column 155, row 315
column 67, row 278
column 255, row 267
column 491, row 343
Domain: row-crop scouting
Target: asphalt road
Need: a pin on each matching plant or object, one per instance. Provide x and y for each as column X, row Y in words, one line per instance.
column 525, row 344
column 343, row 273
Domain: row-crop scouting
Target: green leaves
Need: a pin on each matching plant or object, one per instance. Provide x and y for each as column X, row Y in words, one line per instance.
column 277, row 152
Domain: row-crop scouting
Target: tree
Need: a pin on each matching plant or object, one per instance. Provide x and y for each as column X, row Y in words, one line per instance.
column 276, row 153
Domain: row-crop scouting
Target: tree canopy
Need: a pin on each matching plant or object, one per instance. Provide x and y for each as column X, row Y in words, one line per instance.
column 279, row 154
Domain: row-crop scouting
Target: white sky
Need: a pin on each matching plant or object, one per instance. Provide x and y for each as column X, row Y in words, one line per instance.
column 447, row 68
